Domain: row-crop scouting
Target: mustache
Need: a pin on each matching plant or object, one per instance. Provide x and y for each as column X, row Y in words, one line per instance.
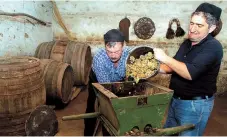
column 113, row 58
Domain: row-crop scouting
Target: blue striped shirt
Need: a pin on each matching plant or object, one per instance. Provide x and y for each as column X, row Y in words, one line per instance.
column 104, row 69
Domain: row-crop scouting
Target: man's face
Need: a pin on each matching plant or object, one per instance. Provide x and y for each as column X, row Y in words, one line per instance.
column 114, row 52
column 198, row 28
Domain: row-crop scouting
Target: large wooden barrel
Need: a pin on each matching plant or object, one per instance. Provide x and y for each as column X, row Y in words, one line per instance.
column 79, row 56
column 58, row 50
column 59, row 79
column 44, row 49
column 22, row 89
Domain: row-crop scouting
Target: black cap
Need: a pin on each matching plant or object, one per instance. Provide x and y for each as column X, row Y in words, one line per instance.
column 210, row 8
column 114, row 35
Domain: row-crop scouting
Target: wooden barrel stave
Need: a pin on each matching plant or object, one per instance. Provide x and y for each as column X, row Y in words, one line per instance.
column 13, row 120
column 18, row 130
column 65, row 83
column 58, row 50
column 49, row 73
column 88, row 61
column 44, row 49
column 70, row 50
column 24, row 101
column 81, row 63
column 21, row 80
column 76, row 64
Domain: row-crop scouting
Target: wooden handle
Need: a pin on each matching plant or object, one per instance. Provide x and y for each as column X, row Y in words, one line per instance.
column 81, row 116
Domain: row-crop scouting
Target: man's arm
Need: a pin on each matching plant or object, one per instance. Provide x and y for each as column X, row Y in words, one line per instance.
column 98, row 67
column 101, row 75
column 179, row 67
column 165, row 69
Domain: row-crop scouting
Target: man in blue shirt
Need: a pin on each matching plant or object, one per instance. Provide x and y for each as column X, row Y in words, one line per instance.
column 194, row 71
column 109, row 62
column 108, row 66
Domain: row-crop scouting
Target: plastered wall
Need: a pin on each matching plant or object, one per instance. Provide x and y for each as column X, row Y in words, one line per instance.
column 20, row 35
column 89, row 20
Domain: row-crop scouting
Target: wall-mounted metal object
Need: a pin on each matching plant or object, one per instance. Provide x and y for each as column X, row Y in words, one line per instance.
column 124, row 25
column 144, row 28
column 170, row 34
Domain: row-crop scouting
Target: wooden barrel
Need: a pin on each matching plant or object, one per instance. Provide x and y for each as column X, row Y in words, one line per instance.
column 58, row 50
column 22, row 89
column 59, row 81
column 79, row 56
column 44, row 49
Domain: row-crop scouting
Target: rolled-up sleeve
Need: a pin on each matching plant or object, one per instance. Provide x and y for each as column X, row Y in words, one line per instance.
column 203, row 61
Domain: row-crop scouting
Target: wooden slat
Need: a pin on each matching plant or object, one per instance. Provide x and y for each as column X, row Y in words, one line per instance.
column 76, row 91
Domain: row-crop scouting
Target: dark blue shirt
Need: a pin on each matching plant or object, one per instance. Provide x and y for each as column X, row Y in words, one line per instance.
column 104, row 68
column 203, row 62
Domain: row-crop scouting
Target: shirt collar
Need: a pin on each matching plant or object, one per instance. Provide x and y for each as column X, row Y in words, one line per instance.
column 209, row 36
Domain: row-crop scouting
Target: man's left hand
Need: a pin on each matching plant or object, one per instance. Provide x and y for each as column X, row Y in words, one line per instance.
column 160, row 54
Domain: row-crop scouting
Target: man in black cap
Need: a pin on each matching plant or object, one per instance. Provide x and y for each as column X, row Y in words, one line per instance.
column 108, row 66
column 194, row 71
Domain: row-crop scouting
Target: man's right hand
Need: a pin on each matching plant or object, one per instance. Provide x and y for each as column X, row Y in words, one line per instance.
column 160, row 55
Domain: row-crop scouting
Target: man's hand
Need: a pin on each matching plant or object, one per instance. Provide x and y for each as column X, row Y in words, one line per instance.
column 160, row 55
column 171, row 64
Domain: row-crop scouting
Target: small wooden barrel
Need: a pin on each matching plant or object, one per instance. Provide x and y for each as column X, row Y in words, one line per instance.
column 44, row 49
column 59, row 79
column 22, row 89
column 58, row 50
column 79, row 56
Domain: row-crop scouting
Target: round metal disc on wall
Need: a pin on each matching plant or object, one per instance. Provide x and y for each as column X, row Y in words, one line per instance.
column 42, row 122
column 144, row 28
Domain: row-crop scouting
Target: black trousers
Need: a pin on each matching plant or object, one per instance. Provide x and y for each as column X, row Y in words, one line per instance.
column 89, row 124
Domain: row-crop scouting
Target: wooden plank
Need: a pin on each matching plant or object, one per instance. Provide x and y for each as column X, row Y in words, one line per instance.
column 76, row 91
column 104, row 91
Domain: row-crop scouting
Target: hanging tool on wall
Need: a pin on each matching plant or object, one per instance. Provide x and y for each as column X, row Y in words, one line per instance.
column 170, row 34
column 61, row 23
column 124, row 25
column 26, row 15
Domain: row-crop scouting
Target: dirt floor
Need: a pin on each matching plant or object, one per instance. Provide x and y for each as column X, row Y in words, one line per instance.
column 217, row 124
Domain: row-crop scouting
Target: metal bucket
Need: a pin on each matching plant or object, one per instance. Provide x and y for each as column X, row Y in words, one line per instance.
column 142, row 50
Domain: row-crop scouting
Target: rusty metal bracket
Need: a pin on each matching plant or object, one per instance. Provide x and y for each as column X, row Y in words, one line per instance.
column 141, row 101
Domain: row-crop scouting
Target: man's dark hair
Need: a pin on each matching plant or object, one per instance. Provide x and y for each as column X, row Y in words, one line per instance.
column 210, row 19
column 113, row 36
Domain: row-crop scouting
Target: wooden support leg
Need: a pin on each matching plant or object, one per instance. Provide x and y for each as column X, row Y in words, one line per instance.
column 98, row 128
